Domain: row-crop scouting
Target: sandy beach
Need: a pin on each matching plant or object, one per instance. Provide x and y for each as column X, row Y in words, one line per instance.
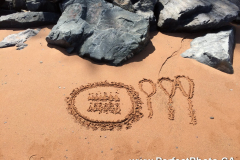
column 36, row 125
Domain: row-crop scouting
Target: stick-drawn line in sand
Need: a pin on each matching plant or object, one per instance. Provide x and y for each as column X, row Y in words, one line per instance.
column 149, row 103
column 132, row 117
column 176, row 83
column 172, row 55
column 107, row 107
column 30, row 158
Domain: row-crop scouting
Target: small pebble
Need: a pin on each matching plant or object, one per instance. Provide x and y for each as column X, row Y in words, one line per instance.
column 231, row 89
column 137, row 142
column 105, row 136
column 101, row 151
column 18, row 74
column 63, row 87
column 5, row 122
column 176, row 147
column 41, row 61
column 29, row 69
column 85, row 138
column 5, row 82
column 197, row 136
column 59, row 87
column 111, row 149
column 211, row 117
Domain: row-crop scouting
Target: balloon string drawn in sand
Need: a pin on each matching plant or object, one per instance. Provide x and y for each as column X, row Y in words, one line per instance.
column 149, row 103
column 133, row 116
column 104, row 104
column 176, row 83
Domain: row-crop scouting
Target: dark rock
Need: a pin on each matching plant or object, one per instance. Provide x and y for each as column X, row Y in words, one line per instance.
column 214, row 49
column 100, row 30
column 144, row 8
column 193, row 15
column 6, row 12
column 19, row 4
column 237, row 3
column 21, row 46
column 125, row 4
column 42, row 5
column 28, row 19
column 16, row 5
column 6, row 4
column 32, row 5
column 237, row 20
column 2, row 2
column 18, row 39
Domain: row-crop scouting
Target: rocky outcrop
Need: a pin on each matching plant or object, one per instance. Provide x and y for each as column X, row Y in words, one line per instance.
column 237, row 3
column 143, row 8
column 214, row 49
column 19, row 4
column 28, row 19
column 194, row 15
column 100, row 30
column 42, row 5
column 125, row 4
column 4, row 12
column 18, row 39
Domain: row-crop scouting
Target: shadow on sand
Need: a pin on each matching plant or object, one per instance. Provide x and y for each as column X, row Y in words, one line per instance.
column 149, row 49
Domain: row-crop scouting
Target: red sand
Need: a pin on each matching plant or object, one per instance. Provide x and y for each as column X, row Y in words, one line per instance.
column 35, row 123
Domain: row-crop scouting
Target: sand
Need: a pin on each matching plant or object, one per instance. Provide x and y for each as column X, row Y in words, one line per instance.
column 35, row 123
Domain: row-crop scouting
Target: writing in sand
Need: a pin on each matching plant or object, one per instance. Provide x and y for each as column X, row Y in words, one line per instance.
column 104, row 103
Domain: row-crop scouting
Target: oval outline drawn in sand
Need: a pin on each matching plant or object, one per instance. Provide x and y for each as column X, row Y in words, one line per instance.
column 130, row 118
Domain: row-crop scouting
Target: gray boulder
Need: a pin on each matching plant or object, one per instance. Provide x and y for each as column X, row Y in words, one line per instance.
column 6, row 4
column 125, row 4
column 144, row 8
column 28, row 19
column 100, row 30
column 42, row 5
column 2, row 2
column 6, row 12
column 214, row 49
column 18, row 39
column 193, row 15
column 237, row 3
column 19, row 4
